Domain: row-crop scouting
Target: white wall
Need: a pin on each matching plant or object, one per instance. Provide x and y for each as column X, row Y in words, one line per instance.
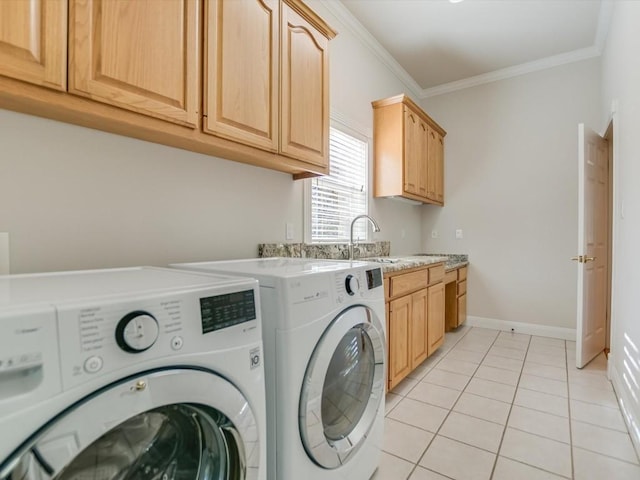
column 511, row 186
column 621, row 82
column 74, row 198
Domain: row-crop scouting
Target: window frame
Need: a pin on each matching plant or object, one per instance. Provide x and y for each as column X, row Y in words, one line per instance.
column 359, row 132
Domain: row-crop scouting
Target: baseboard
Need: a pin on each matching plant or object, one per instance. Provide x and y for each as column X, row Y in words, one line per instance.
column 624, row 401
column 520, row 327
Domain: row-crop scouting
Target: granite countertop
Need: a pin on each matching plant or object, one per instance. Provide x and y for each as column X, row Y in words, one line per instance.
column 405, row 262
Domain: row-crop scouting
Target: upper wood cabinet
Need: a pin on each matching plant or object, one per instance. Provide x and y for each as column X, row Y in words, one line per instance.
column 33, row 41
column 408, row 150
column 267, row 77
column 241, row 71
column 140, row 55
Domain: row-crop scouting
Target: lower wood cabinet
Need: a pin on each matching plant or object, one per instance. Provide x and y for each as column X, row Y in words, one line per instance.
column 415, row 319
column 455, row 298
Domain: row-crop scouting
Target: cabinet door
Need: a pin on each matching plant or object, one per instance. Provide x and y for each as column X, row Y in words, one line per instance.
column 241, row 73
column 432, row 160
column 140, row 55
column 435, row 316
column 439, row 169
column 462, row 309
column 419, row 346
column 423, row 161
column 399, row 340
column 304, row 78
column 33, row 41
column 412, row 146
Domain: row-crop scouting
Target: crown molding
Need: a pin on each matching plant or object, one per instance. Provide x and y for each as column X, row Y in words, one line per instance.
column 509, row 72
column 350, row 22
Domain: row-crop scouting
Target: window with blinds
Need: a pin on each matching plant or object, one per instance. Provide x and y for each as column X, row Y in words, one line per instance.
column 336, row 199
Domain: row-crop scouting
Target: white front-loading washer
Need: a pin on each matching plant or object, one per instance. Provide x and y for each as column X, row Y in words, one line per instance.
column 137, row 373
column 324, row 335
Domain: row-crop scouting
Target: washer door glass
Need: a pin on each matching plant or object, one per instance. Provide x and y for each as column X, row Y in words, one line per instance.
column 174, row 442
column 166, row 425
column 343, row 387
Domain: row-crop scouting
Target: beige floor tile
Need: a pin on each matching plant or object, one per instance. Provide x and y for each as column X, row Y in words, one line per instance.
column 447, row 379
column 508, row 343
column 390, row 401
column 603, row 440
column 543, row 359
column 543, row 402
column 590, row 380
column 497, row 375
column 392, row 468
column 591, row 466
column 473, row 346
column 472, row 431
column 570, row 346
column 405, row 441
column 507, row 469
column 419, row 414
column 419, row 372
column 434, row 394
column 545, row 371
column 597, row 365
column 508, row 352
column 593, row 395
column 489, row 389
column 540, row 452
column 597, row 415
column 516, row 337
column 457, row 366
column 540, row 423
column 551, row 350
column 421, row 473
column 404, row 386
column 545, row 385
column 482, row 407
column 503, row 363
column 444, row 456
column 465, row 355
column 555, row 342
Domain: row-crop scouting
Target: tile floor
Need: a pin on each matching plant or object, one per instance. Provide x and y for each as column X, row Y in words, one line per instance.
column 503, row 406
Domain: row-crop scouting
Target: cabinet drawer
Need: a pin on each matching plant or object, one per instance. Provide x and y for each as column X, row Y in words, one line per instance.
column 408, row 282
column 451, row 276
column 436, row 274
column 386, row 289
column 462, row 274
column 462, row 287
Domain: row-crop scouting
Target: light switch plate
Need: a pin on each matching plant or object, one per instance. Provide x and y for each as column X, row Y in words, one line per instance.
column 434, row 234
column 289, row 231
column 459, row 233
column 4, row 253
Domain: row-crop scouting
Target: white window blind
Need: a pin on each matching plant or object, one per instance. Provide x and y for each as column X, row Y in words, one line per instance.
column 336, row 199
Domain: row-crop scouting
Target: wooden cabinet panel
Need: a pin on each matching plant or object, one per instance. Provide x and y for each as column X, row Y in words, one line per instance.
column 423, row 161
column 462, row 287
column 304, row 78
column 399, row 340
column 462, row 274
column 33, row 41
column 241, row 71
column 412, row 146
column 408, row 282
column 462, row 309
column 439, row 169
column 431, row 163
column 419, row 346
column 141, row 56
column 435, row 316
column 436, row 274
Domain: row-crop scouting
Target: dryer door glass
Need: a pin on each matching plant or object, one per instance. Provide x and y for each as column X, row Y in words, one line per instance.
column 343, row 387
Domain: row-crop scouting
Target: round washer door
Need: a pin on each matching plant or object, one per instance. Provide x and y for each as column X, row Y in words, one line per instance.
column 178, row 424
column 343, row 387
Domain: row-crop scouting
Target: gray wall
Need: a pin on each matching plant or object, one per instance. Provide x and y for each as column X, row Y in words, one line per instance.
column 511, row 186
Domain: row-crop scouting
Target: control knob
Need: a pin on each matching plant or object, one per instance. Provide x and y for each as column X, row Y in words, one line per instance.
column 351, row 284
column 137, row 331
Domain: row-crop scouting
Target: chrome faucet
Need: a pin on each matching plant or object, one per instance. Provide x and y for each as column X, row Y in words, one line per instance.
column 376, row 228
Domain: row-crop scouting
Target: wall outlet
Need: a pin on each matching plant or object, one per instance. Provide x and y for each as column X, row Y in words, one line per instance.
column 288, row 227
column 459, row 233
column 434, row 234
column 4, row 254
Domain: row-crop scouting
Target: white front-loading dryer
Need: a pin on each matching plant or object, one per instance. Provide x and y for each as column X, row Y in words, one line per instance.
column 138, row 373
column 324, row 334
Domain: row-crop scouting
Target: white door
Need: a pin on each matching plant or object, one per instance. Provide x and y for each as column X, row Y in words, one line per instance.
column 343, row 387
column 593, row 222
column 180, row 424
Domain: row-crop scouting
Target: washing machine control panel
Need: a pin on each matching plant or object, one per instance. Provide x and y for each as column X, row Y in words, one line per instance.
column 99, row 339
column 358, row 283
